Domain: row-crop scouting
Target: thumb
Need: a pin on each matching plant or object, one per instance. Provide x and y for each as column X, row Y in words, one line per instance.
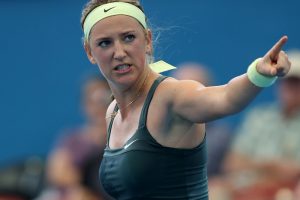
column 264, row 67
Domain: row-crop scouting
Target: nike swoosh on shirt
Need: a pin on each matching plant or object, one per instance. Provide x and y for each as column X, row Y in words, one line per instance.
column 106, row 10
column 127, row 145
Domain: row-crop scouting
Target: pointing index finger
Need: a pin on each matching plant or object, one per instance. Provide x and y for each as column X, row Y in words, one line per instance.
column 274, row 51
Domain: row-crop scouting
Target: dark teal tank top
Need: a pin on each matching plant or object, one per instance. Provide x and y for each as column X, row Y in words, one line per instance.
column 144, row 169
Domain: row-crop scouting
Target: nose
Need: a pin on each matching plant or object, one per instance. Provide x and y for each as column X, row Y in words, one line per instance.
column 119, row 51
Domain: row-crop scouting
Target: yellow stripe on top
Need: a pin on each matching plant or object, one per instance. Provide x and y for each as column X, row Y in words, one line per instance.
column 161, row 66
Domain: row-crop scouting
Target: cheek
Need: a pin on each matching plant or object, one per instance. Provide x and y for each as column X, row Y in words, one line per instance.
column 101, row 57
column 139, row 52
column 142, row 46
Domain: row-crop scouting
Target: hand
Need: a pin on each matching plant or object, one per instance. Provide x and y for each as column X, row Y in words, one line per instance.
column 275, row 62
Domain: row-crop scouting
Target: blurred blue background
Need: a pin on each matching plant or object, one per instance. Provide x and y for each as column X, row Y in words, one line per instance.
column 43, row 63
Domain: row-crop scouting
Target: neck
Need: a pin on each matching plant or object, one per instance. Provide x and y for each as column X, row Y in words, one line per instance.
column 130, row 97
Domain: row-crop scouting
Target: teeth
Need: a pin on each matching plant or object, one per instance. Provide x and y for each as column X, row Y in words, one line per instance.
column 122, row 67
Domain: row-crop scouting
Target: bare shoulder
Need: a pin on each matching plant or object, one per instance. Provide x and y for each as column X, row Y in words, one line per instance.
column 171, row 87
column 172, row 83
column 168, row 126
column 110, row 111
column 184, row 98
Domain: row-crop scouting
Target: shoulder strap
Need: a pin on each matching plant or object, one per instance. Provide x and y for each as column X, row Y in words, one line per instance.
column 111, row 122
column 143, row 117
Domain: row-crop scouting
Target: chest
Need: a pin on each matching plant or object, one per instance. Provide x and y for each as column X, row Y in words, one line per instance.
column 146, row 171
column 123, row 130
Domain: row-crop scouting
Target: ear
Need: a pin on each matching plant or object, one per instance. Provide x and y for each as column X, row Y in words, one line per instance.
column 149, row 47
column 89, row 53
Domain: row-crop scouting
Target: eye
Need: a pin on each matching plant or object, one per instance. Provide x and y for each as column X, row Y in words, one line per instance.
column 129, row 38
column 104, row 43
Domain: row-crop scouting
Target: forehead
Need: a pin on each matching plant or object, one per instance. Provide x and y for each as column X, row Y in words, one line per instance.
column 115, row 23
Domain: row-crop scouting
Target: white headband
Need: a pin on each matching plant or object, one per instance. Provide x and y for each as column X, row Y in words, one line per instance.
column 121, row 8
column 111, row 9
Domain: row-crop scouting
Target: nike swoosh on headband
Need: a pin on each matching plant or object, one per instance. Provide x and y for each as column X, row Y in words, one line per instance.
column 106, row 10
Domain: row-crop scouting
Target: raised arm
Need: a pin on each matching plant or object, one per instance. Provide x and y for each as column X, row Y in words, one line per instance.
column 201, row 104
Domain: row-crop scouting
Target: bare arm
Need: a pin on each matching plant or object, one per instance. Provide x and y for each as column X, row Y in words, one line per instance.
column 201, row 104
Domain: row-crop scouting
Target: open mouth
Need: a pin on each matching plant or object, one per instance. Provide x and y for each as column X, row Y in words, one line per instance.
column 122, row 68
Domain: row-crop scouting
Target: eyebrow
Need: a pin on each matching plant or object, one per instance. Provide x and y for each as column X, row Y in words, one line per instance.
column 122, row 34
column 102, row 38
column 128, row 32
